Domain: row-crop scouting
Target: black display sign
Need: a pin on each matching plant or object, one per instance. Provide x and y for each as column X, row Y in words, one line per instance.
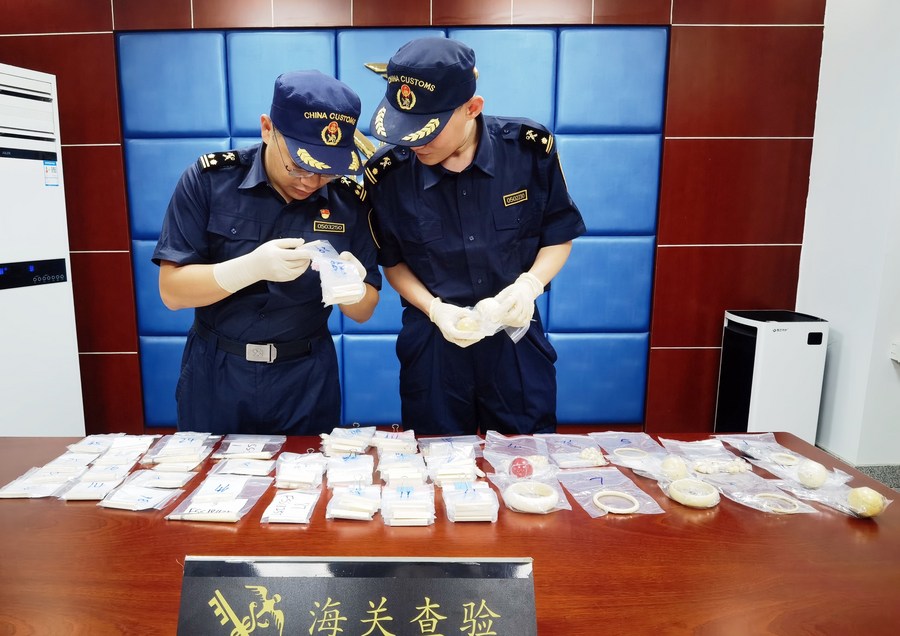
column 238, row 596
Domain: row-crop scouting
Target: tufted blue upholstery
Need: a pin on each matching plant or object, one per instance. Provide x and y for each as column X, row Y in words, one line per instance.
column 600, row 89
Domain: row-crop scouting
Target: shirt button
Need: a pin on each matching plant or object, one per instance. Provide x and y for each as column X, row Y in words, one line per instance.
column 262, row 315
column 479, row 281
column 234, row 230
column 471, row 238
column 464, row 193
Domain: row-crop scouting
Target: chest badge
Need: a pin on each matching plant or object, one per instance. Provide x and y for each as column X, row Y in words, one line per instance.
column 325, row 213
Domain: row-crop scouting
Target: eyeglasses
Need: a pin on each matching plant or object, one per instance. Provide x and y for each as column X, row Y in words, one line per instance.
column 300, row 173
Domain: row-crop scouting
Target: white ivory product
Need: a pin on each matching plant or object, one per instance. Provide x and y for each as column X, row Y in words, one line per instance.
column 693, row 493
column 628, row 452
column 866, row 502
column 730, row 466
column 602, row 495
column 531, row 496
column 674, row 467
column 811, row 474
column 784, row 459
column 776, row 502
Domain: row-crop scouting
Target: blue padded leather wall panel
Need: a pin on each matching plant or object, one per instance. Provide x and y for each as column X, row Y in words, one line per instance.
column 246, row 142
column 387, row 317
column 502, row 74
column 371, row 379
column 614, row 179
column 173, row 84
column 357, row 47
column 152, row 169
column 601, row 377
column 600, row 89
column 604, row 287
column 160, row 368
column 256, row 58
column 338, row 341
column 611, row 80
column 153, row 317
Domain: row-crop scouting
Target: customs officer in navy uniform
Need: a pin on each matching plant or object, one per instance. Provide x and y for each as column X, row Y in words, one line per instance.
column 473, row 220
column 259, row 357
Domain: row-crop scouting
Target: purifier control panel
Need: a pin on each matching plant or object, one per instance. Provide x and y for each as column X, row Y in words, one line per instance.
column 30, row 273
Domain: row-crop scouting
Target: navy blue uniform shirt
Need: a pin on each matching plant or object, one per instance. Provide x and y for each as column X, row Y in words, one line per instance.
column 222, row 211
column 468, row 235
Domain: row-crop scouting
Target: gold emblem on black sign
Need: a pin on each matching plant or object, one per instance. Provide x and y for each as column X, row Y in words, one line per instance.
column 262, row 613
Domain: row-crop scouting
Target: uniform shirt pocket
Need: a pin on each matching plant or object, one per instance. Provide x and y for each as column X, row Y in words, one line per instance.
column 232, row 236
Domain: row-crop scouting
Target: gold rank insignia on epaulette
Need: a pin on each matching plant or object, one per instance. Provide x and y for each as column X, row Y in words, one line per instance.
column 536, row 138
column 380, row 166
column 358, row 189
column 218, row 160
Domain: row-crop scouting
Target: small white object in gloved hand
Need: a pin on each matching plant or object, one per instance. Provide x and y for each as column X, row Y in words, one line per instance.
column 350, row 258
column 458, row 325
column 277, row 260
column 489, row 310
column 354, row 298
column 517, row 300
column 342, row 282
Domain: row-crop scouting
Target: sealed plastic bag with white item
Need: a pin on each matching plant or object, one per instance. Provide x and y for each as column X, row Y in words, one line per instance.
column 341, row 282
column 602, row 491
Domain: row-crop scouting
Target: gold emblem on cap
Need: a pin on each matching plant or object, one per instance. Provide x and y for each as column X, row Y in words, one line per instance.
column 406, row 99
column 307, row 158
column 331, row 134
column 424, row 131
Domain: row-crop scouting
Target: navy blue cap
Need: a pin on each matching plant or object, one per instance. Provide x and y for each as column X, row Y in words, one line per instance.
column 317, row 114
column 428, row 79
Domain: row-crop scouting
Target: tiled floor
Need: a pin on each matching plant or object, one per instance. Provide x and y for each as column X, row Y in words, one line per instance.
column 888, row 475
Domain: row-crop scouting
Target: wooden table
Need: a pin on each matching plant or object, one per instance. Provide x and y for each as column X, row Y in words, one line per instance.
column 74, row 568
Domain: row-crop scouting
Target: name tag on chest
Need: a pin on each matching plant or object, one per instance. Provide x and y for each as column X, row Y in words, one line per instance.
column 329, row 226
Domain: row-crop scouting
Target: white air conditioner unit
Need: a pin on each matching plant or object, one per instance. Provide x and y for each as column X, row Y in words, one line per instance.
column 40, row 381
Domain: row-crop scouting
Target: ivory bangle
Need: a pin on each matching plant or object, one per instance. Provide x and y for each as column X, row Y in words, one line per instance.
column 628, row 452
column 774, row 496
column 600, row 494
column 693, row 493
column 784, row 459
column 531, row 496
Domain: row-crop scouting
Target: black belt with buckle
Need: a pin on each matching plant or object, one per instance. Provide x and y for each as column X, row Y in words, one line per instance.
column 257, row 352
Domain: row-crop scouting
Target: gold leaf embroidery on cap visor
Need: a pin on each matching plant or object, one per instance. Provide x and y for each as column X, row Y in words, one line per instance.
column 379, row 123
column 307, row 158
column 424, row 131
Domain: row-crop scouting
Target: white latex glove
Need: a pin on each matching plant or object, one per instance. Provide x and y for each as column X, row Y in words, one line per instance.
column 517, row 300
column 350, row 258
column 277, row 260
column 457, row 324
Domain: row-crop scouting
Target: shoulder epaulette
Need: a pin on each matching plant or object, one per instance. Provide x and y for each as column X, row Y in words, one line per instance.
column 536, row 137
column 218, row 160
column 351, row 185
column 383, row 161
